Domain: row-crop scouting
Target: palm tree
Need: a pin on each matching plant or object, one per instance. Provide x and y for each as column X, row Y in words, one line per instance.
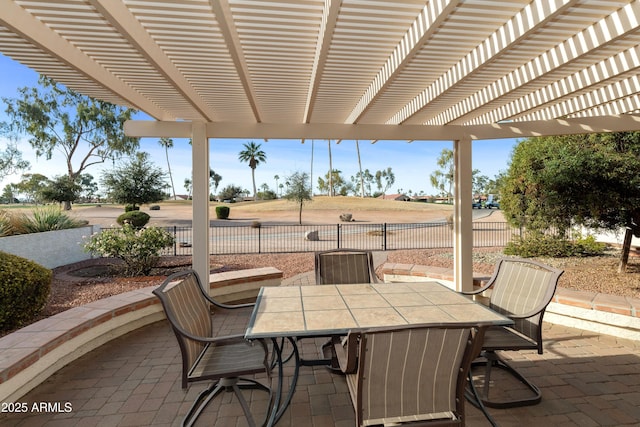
column 254, row 156
column 215, row 179
column 276, row 177
column 168, row 143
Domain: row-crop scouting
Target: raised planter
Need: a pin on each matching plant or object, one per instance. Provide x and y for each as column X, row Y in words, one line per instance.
column 50, row 249
column 32, row 354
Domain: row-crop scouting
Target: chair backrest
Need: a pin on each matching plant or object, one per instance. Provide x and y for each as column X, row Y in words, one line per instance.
column 413, row 374
column 188, row 311
column 524, row 288
column 344, row 266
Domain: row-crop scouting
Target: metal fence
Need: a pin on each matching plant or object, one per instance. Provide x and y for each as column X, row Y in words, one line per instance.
column 377, row 237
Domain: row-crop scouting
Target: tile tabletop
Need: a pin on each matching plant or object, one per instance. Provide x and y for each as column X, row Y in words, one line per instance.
column 337, row 309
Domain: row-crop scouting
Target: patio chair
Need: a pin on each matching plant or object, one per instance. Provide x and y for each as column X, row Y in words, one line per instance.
column 344, row 266
column 520, row 289
column 415, row 375
column 339, row 267
column 220, row 359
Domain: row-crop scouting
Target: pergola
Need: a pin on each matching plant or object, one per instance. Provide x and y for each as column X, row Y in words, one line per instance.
column 456, row 70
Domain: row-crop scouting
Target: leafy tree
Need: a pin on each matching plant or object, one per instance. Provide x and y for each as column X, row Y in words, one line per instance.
column 442, row 179
column 480, row 183
column 87, row 131
column 88, row 185
column 254, row 156
column 591, row 180
column 230, row 192
column 9, row 194
column 32, row 186
column 388, row 177
column 62, row 189
column 365, row 179
column 135, row 182
column 298, row 190
column 334, row 184
column 11, row 159
column 168, row 143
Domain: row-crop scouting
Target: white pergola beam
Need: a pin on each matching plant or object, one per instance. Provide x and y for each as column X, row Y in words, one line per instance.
column 23, row 23
column 118, row 15
column 418, row 34
column 531, row 17
column 598, row 35
column 327, row 26
column 617, row 123
column 228, row 29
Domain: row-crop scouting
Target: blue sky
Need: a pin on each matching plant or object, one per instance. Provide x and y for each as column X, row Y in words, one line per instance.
column 412, row 163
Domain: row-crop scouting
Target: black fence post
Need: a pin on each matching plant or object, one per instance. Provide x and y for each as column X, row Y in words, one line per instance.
column 175, row 240
column 259, row 240
column 384, row 236
column 338, row 236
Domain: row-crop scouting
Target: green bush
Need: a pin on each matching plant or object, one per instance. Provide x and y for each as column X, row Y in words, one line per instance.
column 24, row 289
column 131, row 208
column 542, row 245
column 136, row 218
column 222, row 212
column 140, row 249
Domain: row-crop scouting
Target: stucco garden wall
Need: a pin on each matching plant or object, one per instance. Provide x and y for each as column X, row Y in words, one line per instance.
column 51, row 248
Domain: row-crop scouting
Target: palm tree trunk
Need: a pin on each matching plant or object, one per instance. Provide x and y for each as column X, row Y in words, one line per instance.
column 173, row 187
column 253, row 179
column 311, row 174
column 360, row 167
column 330, row 172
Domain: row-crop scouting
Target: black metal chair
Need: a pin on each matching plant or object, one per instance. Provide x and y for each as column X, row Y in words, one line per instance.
column 205, row 357
column 520, row 289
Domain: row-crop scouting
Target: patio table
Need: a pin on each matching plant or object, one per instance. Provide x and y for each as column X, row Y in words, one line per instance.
column 316, row 311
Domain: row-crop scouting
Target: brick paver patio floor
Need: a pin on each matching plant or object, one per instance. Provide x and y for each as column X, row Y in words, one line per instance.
column 586, row 379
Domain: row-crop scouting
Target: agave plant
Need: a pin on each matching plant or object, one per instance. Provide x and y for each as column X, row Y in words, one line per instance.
column 47, row 219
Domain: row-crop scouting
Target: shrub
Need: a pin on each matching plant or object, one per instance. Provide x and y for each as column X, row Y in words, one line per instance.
column 135, row 218
column 130, row 208
column 139, row 248
column 256, row 224
column 44, row 219
column 6, row 224
column 24, row 289
column 222, row 212
column 537, row 244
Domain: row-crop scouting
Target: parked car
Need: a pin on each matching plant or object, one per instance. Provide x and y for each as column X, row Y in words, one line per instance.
column 492, row 204
column 476, row 204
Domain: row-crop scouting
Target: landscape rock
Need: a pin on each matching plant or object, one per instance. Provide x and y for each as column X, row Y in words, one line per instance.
column 311, row 235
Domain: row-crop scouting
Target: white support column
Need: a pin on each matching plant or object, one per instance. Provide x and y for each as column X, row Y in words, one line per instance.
column 463, row 216
column 200, row 214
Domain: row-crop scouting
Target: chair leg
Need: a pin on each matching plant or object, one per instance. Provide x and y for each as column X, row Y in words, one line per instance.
column 201, row 402
column 227, row 384
column 493, row 360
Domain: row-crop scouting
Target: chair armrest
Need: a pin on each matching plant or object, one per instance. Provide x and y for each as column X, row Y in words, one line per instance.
column 346, row 348
column 223, row 306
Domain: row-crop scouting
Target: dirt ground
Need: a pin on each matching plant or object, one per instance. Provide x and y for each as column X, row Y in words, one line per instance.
column 322, row 211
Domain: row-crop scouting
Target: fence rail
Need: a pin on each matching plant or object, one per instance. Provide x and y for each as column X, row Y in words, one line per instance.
column 227, row 240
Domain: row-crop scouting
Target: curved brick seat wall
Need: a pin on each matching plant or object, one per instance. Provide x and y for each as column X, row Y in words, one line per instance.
column 607, row 314
column 32, row 354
